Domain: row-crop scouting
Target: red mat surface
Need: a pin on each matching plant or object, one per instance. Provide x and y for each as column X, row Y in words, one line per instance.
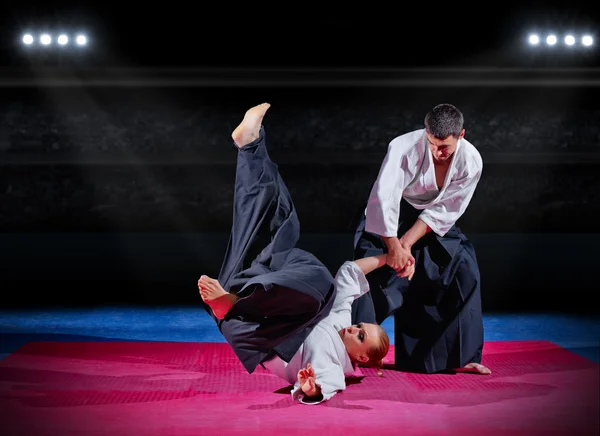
column 149, row 388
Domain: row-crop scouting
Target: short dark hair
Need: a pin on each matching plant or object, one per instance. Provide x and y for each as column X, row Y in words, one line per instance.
column 443, row 121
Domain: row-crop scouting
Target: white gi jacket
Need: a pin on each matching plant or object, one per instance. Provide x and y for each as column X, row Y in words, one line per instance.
column 323, row 347
column 408, row 172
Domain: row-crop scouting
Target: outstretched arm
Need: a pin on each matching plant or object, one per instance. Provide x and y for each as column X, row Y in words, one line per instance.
column 368, row 264
column 351, row 281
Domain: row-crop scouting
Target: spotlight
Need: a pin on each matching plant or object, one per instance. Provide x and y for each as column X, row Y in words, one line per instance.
column 587, row 40
column 27, row 39
column 551, row 40
column 534, row 39
column 569, row 40
column 63, row 39
column 45, row 39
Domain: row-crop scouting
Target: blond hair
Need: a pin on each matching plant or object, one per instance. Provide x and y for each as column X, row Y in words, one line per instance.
column 378, row 352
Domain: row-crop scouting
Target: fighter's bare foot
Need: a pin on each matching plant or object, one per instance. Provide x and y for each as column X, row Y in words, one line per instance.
column 249, row 128
column 213, row 294
column 474, row 368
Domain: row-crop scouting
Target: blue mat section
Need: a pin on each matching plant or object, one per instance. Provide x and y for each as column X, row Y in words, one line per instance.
column 580, row 334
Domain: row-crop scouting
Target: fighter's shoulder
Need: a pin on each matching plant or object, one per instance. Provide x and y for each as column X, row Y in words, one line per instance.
column 406, row 141
column 321, row 341
column 471, row 156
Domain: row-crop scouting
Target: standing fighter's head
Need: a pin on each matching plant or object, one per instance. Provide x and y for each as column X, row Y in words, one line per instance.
column 444, row 128
column 366, row 343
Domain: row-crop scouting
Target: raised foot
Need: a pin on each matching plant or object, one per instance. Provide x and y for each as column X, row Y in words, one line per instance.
column 249, row 129
column 218, row 299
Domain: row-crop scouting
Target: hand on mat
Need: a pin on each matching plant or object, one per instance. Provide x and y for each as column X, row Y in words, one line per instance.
column 400, row 258
column 307, row 381
column 409, row 272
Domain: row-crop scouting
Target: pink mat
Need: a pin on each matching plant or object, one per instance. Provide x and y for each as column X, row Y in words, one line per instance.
column 150, row 388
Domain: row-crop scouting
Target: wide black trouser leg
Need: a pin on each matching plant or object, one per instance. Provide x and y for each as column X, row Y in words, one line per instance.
column 442, row 329
column 265, row 221
column 438, row 322
column 283, row 290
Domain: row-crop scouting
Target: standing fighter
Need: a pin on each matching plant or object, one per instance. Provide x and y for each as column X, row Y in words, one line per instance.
column 431, row 283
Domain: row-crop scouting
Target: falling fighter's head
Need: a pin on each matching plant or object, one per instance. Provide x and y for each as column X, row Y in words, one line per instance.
column 444, row 128
column 366, row 343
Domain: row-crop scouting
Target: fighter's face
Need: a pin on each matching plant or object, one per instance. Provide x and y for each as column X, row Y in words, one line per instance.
column 360, row 338
column 443, row 149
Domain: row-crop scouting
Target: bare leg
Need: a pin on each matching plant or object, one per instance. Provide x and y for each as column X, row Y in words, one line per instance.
column 213, row 294
column 249, row 128
column 475, row 368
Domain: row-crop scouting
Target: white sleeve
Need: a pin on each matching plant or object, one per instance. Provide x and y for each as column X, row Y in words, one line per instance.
column 383, row 206
column 329, row 373
column 350, row 283
column 331, row 382
column 441, row 216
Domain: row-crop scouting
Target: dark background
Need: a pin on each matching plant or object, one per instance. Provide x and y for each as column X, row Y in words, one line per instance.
column 116, row 166
column 303, row 34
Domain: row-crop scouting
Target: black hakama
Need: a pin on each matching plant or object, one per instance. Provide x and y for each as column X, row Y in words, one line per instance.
column 283, row 290
column 438, row 322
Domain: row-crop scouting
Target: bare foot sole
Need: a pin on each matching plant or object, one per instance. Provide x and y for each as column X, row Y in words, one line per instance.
column 249, row 128
column 473, row 368
column 217, row 298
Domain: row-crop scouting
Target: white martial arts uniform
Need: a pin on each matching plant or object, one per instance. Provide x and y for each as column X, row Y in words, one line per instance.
column 408, row 172
column 324, row 348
